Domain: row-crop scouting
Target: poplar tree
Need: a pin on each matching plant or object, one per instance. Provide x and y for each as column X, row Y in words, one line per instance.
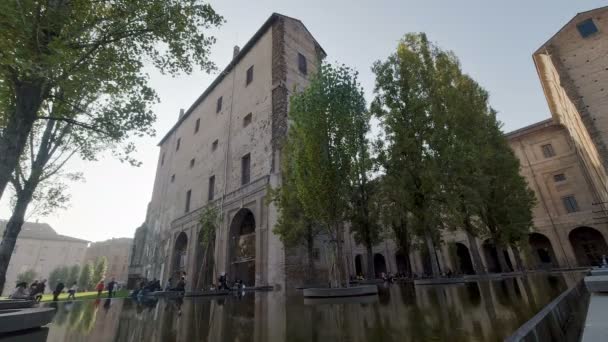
column 85, row 279
column 99, row 272
column 324, row 136
column 410, row 104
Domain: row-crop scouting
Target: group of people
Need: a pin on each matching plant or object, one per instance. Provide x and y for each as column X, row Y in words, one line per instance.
column 223, row 284
column 34, row 291
column 147, row 286
column 111, row 287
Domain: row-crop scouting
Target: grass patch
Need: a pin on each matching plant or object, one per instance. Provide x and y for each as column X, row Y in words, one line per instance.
column 86, row 295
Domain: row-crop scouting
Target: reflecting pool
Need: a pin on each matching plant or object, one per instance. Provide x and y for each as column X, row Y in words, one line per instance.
column 477, row 311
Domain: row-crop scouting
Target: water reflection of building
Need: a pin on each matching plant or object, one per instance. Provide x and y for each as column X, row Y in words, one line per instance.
column 563, row 158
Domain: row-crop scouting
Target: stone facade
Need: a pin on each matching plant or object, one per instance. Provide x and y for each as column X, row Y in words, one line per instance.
column 41, row 249
column 116, row 252
column 224, row 151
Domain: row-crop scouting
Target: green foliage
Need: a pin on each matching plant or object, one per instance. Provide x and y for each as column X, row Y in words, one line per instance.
column 28, row 276
column 99, row 272
column 85, row 279
column 73, row 275
column 209, row 220
column 58, row 274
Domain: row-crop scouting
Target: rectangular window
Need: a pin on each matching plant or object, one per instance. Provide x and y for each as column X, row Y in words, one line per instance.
column 245, row 169
column 249, row 77
column 197, row 125
column 218, row 107
column 302, row 64
column 559, row 177
column 586, row 28
column 211, row 190
column 214, row 145
column 172, row 178
column 548, row 151
column 179, row 142
column 570, row 204
column 247, row 120
column 188, row 195
column 192, row 163
column 162, row 159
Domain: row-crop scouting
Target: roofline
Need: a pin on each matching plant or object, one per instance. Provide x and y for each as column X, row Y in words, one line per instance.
column 252, row 41
column 537, row 126
column 567, row 24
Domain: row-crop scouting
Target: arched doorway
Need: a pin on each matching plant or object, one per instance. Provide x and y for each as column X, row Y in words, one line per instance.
column 465, row 264
column 379, row 264
column 358, row 265
column 402, row 264
column 179, row 254
column 542, row 251
column 242, row 248
column 589, row 246
column 491, row 256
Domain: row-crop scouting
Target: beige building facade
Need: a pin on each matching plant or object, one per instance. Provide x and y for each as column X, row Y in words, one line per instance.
column 116, row 251
column 224, row 151
column 41, row 249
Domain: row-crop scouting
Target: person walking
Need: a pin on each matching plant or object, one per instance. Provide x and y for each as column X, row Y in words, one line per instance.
column 58, row 289
column 99, row 288
column 111, row 286
column 72, row 291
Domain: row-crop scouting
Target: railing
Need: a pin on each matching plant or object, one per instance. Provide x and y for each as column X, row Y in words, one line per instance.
column 560, row 320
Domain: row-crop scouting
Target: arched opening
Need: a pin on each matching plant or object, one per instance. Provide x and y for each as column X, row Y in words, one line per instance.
column 589, row 246
column 358, row 265
column 542, row 251
column 402, row 264
column 491, row 256
column 465, row 264
column 242, row 248
column 379, row 264
column 179, row 254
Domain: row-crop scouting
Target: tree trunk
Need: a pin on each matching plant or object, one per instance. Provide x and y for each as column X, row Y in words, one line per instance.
column 502, row 262
column 342, row 275
column 28, row 98
column 371, row 274
column 518, row 261
column 310, row 244
column 430, row 245
column 477, row 264
column 13, row 227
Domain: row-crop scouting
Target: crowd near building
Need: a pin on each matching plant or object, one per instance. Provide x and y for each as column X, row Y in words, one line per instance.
column 224, row 151
column 41, row 249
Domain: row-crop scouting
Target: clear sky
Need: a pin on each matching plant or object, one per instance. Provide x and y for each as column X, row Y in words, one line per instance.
column 493, row 39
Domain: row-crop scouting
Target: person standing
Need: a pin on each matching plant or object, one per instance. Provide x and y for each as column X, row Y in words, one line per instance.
column 111, row 286
column 58, row 289
column 99, row 288
column 72, row 291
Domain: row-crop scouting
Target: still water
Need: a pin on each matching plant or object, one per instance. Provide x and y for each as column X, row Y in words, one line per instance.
column 478, row 311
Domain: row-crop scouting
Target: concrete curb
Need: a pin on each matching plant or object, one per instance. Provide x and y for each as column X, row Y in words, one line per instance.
column 354, row 291
column 22, row 319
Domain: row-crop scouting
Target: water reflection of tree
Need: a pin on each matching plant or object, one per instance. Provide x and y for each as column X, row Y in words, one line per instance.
column 88, row 318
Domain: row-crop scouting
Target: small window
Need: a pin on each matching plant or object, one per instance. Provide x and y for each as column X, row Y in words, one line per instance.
column 570, row 204
column 162, row 159
column 179, row 142
column 192, row 163
column 197, row 125
column 245, row 169
column 560, row 177
column 249, row 77
column 172, row 178
column 586, row 28
column 548, row 151
column 218, row 107
column 188, row 195
column 211, row 190
column 214, row 145
column 302, row 64
column 247, row 120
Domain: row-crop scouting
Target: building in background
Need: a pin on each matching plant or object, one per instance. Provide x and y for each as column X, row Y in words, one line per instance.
column 116, row 251
column 41, row 249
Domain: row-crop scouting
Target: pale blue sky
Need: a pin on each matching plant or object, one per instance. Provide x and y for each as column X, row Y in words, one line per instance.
column 493, row 39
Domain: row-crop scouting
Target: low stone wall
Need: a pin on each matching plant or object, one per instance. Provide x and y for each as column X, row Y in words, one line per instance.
column 560, row 320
